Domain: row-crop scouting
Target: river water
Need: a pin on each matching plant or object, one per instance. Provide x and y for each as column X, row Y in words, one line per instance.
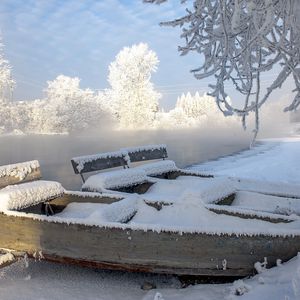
column 54, row 152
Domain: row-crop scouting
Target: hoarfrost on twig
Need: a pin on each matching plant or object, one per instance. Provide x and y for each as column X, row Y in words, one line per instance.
column 240, row 42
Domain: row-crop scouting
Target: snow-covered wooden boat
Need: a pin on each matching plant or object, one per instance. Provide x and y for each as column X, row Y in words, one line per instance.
column 130, row 232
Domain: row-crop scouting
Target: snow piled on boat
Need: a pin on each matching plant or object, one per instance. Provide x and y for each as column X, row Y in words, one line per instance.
column 190, row 188
column 19, row 170
column 43, row 280
column 97, row 213
column 267, row 203
column 158, row 168
column 114, row 179
column 263, row 186
column 19, row 196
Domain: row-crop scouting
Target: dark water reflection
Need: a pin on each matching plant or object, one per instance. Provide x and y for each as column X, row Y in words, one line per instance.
column 185, row 147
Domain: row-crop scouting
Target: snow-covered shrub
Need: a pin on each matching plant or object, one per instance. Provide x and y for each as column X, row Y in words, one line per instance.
column 132, row 96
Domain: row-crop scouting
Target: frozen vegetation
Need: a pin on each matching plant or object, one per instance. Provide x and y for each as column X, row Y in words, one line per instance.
column 240, row 43
column 131, row 102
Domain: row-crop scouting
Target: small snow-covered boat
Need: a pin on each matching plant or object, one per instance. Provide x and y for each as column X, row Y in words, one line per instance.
column 149, row 232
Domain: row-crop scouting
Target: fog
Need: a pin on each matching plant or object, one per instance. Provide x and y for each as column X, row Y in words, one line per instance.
column 185, row 146
column 54, row 152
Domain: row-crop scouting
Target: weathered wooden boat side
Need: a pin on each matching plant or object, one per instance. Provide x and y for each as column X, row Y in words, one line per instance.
column 139, row 250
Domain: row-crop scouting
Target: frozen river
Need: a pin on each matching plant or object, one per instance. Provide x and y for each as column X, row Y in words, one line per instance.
column 185, row 147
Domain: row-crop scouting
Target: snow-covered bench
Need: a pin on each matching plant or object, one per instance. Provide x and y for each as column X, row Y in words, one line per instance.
column 132, row 179
column 20, row 186
column 127, row 180
column 151, row 152
column 20, row 196
column 98, row 162
column 166, row 169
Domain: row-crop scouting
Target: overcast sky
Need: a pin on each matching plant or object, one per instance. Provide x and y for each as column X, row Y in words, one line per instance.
column 46, row 38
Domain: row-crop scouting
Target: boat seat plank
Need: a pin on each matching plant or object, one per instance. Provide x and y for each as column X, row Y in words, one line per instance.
column 98, row 162
column 144, row 153
column 19, row 173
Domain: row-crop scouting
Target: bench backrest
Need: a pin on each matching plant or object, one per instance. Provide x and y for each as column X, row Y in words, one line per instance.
column 144, row 153
column 101, row 161
column 19, row 173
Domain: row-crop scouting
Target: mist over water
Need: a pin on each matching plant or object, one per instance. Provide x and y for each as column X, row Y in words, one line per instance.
column 54, row 152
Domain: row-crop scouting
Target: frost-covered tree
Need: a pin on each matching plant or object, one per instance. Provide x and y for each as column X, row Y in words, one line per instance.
column 132, row 96
column 197, row 106
column 69, row 108
column 6, row 88
column 6, row 81
column 241, row 41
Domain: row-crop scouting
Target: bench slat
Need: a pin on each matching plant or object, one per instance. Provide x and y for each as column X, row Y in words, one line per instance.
column 144, row 153
column 97, row 162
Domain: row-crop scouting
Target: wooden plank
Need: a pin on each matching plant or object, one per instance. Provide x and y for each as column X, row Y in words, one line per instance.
column 59, row 204
column 143, row 155
column 196, row 174
column 164, row 252
column 35, row 174
column 140, row 188
column 158, row 205
column 69, row 198
column 100, row 164
column 223, row 211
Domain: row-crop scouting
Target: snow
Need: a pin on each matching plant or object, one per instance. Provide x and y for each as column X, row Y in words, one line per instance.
column 190, row 188
column 6, row 258
column 251, row 211
column 43, row 280
column 19, row 196
column 158, row 168
column 178, row 218
column 263, row 186
column 273, row 161
column 82, row 160
column 193, row 216
column 20, row 170
column 114, row 179
column 280, row 205
column 100, row 213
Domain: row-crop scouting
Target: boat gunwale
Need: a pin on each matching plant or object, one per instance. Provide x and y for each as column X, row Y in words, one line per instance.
column 179, row 230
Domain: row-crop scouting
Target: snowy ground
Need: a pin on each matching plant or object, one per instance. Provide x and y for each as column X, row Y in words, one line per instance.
column 272, row 160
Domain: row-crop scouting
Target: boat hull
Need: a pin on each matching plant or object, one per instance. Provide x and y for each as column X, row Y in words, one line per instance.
column 147, row 251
